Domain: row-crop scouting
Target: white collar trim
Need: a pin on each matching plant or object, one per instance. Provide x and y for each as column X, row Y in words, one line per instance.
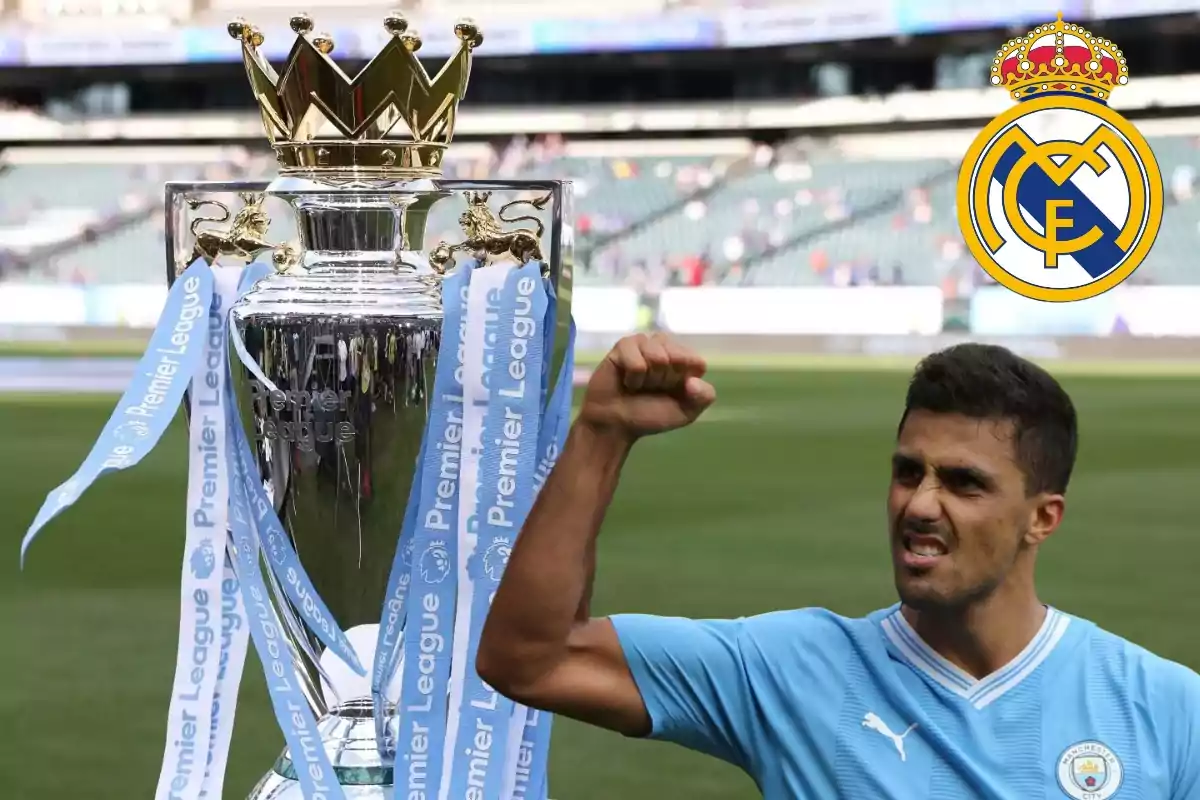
column 981, row 693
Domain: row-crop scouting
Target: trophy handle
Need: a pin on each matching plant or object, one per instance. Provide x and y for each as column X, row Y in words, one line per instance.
column 485, row 236
column 487, row 239
column 242, row 240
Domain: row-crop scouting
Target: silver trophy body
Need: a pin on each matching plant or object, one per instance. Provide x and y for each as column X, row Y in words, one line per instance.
column 346, row 330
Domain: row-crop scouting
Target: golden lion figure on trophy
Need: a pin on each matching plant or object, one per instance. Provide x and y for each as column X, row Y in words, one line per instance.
column 244, row 239
column 485, row 237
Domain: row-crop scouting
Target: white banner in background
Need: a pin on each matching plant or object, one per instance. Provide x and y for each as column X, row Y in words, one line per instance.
column 83, row 47
column 604, row 309
column 1121, row 311
column 997, row 311
column 603, row 313
column 1158, row 310
column 802, row 310
column 1109, row 9
column 596, row 309
column 799, row 23
column 31, row 304
column 134, row 305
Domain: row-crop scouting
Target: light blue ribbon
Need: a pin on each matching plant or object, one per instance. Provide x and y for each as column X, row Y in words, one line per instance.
column 251, row 275
column 295, row 717
column 388, row 643
column 506, row 471
column 283, row 560
column 391, row 624
column 548, row 333
column 287, row 571
column 292, row 712
column 149, row 404
column 429, row 628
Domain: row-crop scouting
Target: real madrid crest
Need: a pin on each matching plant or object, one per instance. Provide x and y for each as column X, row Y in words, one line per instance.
column 1060, row 197
column 1089, row 771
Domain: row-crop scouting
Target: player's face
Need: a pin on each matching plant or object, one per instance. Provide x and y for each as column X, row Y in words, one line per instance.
column 957, row 508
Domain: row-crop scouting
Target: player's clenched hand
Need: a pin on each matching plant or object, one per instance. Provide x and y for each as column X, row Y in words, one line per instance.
column 646, row 384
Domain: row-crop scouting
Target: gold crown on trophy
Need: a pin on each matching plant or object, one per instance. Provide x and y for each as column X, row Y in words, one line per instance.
column 392, row 94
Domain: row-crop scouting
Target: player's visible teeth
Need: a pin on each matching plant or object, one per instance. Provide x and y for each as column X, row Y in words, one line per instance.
column 926, row 549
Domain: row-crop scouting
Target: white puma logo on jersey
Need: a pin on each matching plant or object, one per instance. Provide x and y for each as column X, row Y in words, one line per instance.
column 872, row 721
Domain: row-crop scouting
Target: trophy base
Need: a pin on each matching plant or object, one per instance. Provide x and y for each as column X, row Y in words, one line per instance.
column 348, row 736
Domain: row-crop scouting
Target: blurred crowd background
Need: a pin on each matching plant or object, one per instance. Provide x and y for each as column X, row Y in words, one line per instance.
column 800, row 211
column 810, row 143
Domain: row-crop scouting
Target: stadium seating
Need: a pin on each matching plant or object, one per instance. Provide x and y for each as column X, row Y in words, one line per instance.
column 610, row 194
column 92, row 221
column 1172, row 259
column 802, row 213
column 918, row 234
column 771, row 205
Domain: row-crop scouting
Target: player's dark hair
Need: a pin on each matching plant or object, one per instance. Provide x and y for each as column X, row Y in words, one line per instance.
column 984, row 381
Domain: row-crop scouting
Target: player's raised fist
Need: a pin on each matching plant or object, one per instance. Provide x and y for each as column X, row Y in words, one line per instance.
column 646, row 384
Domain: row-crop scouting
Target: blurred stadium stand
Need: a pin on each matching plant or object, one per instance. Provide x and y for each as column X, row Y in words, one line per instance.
column 839, row 211
column 275, row 11
column 790, row 160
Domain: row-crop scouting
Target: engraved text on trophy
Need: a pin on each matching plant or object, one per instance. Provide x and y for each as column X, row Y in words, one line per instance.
column 304, row 417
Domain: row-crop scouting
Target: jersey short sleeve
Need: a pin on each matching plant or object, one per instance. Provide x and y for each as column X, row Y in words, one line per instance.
column 693, row 681
column 1179, row 698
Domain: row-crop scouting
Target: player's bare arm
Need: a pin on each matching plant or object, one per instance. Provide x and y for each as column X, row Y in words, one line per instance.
column 540, row 645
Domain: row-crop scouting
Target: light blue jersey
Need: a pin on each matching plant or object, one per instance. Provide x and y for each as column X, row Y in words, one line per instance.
column 815, row 706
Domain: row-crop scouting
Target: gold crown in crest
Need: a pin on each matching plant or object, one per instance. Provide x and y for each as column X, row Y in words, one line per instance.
column 1059, row 58
column 392, row 93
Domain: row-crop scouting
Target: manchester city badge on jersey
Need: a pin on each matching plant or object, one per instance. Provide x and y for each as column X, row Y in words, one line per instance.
column 1089, row 771
column 1060, row 197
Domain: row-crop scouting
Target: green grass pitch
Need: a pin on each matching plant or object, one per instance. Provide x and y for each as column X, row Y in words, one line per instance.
column 774, row 500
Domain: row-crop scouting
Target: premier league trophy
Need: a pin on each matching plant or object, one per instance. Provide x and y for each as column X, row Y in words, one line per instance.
column 371, row 414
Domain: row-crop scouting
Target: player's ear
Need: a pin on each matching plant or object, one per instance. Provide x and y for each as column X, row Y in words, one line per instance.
column 1045, row 515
